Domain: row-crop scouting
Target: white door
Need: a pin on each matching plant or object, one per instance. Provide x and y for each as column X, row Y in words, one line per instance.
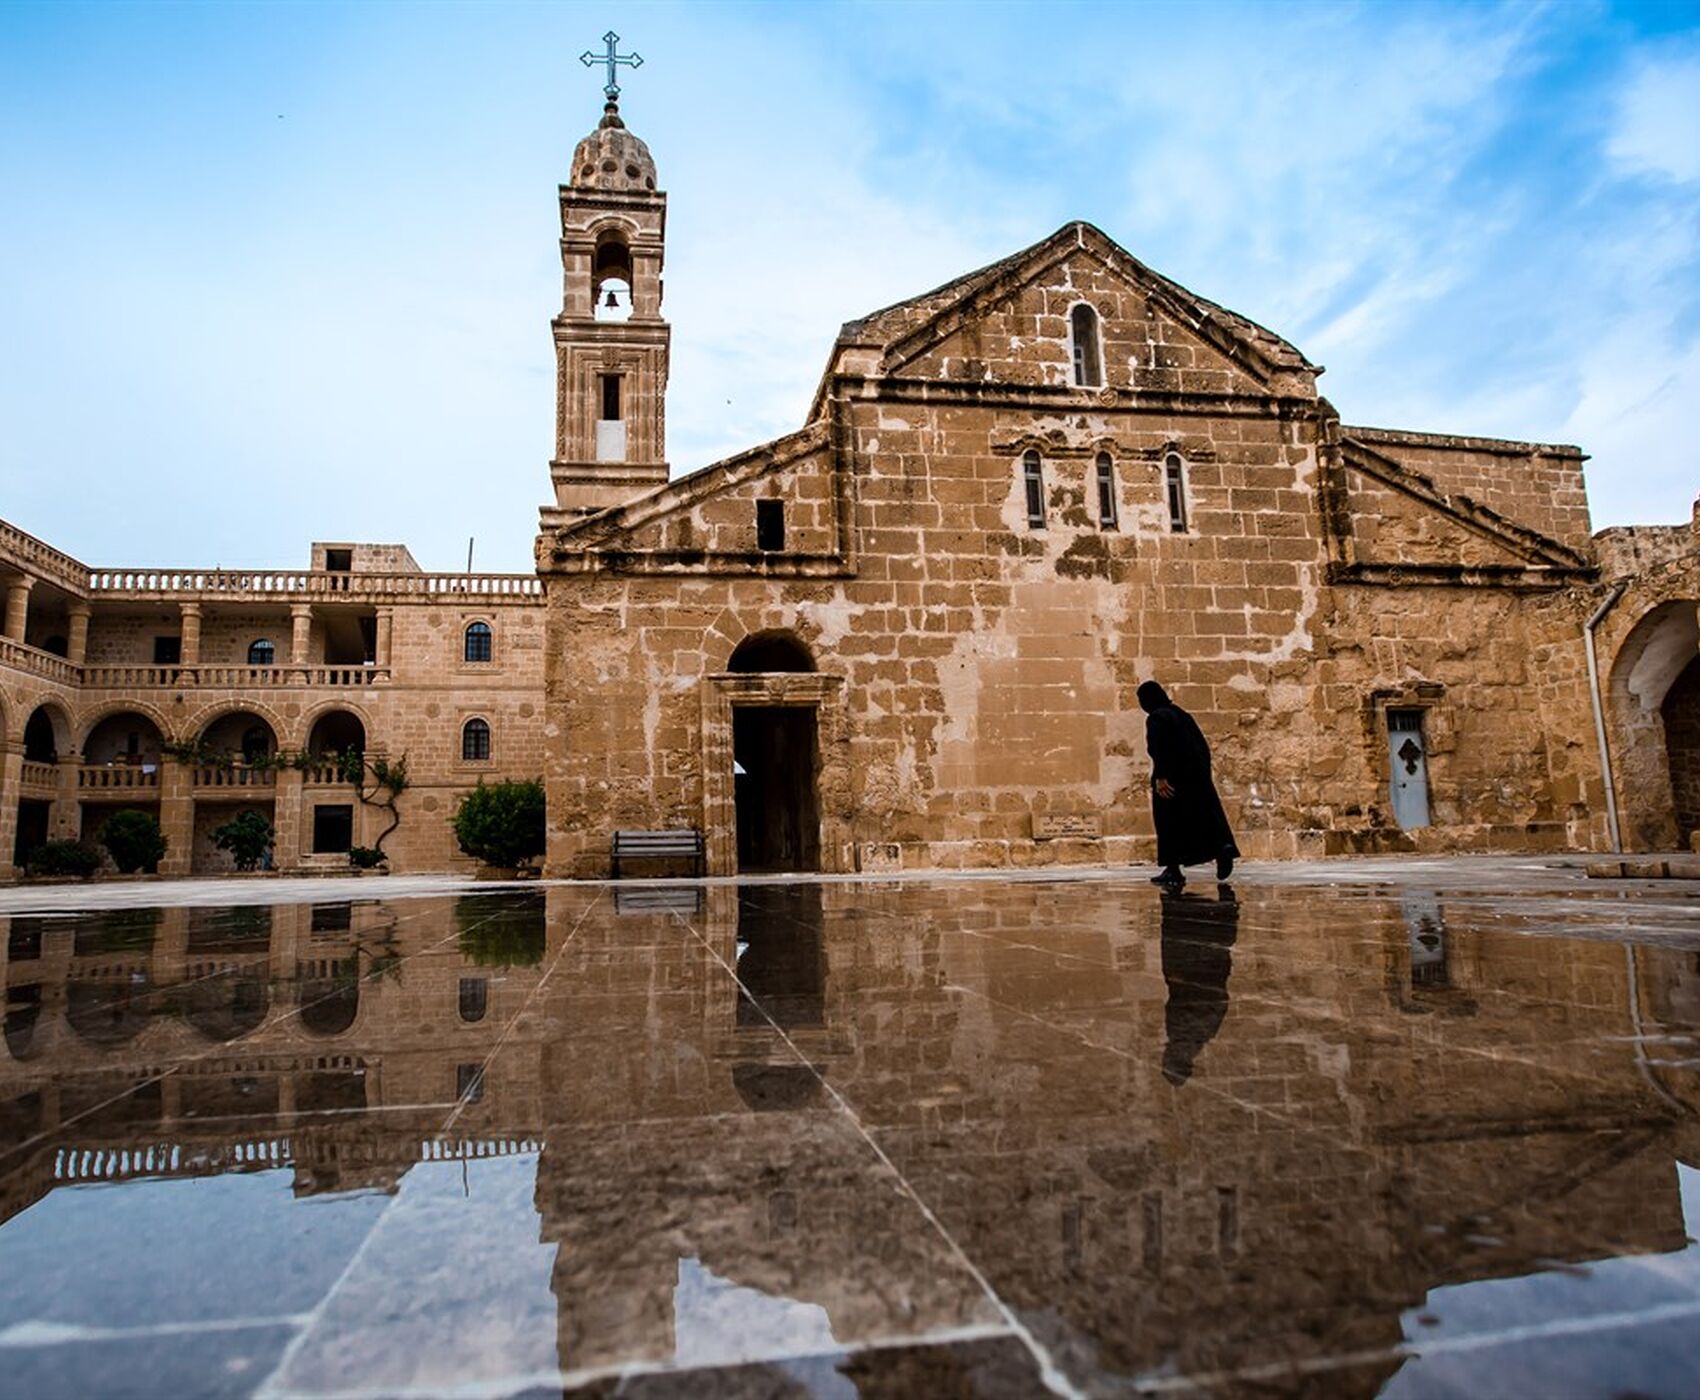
column 1409, row 757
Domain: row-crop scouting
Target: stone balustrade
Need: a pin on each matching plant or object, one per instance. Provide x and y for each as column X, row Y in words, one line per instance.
column 117, row 777
column 37, row 662
column 237, row 775
column 27, row 554
column 43, row 777
column 219, row 677
column 306, row 585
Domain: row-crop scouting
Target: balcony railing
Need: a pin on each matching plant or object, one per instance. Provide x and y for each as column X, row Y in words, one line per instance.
column 228, row 677
column 238, row 775
column 33, row 556
column 306, row 585
column 37, row 662
column 40, row 775
column 120, row 777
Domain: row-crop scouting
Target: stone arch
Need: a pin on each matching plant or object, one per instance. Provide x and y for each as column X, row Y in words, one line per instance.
column 303, row 737
column 770, row 650
column 58, row 732
column 315, row 728
column 728, row 632
column 95, row 715
column 209, row 715
column 229, row 1003
column 98, row 746
column 1655, row 652
column 108, row 1012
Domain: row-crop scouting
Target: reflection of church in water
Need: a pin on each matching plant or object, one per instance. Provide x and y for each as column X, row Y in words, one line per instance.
column 1187, row 1133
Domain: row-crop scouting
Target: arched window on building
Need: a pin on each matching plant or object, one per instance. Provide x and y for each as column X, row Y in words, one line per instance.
column 1174, row 482
column 475, row 741
column 611, row 277
column 474, row 998
column 478, row 643
column 1033, row 478
column 1106, row 475
column 1088, row 355
column 261, row 653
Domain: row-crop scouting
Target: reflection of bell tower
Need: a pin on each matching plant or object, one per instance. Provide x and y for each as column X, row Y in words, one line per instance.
column 610, row 340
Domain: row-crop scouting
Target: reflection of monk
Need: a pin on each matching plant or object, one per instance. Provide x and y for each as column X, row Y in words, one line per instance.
column 1197, row 935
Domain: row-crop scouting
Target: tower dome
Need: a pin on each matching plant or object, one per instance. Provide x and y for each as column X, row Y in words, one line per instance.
column 611, row 158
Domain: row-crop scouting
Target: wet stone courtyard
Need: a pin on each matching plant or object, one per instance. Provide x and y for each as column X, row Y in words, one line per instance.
column 1399, row 1130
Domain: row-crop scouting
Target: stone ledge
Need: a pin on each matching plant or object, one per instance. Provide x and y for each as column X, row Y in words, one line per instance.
column 1646, row 868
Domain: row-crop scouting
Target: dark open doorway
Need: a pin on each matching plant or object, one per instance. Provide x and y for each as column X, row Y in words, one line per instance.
column 773, row 748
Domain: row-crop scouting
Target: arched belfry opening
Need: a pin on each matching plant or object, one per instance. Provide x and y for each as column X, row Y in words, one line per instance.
column 611, row 277
column 775, row 758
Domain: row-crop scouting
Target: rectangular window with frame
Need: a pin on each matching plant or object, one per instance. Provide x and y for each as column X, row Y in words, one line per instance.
column 611, row 398
column 1033, row 476
column 770, row 525
column 1174, row 478
column 1106, row 492
column 333, row 828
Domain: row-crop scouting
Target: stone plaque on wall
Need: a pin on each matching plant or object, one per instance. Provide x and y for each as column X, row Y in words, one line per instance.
column 1048, row 826
column 879, row 857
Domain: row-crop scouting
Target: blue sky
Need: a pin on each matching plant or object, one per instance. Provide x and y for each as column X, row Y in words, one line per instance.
column 275, row 273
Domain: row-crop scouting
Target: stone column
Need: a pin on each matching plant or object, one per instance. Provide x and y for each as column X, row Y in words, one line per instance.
column 381, row 649
column 11, row 778
column 177, row 816
column 77, row 641
column 286, row 819
column 301, row 636
column 18, row 606
column 191, row 634
column 62, row 824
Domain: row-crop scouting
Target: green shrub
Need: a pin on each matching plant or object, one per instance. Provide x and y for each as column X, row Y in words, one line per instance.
column 247, row 836
column 365, row 857
column 502, row 823
column 63, row 858
column 134, row 841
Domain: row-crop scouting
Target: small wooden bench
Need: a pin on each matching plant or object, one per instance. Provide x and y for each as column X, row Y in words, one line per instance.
column 686, row 844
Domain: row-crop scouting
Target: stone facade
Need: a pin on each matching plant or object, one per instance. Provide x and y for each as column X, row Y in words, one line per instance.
column 1018, row 496
column 108, row 669
column 909, row 633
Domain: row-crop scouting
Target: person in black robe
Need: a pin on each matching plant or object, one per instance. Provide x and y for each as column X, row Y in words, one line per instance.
column 1197, row 939
column 1191, row 826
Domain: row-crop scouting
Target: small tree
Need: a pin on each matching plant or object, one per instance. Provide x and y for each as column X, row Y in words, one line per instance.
column 502, row 823
column 63, row 858
column 134, row 841
column 247, row 836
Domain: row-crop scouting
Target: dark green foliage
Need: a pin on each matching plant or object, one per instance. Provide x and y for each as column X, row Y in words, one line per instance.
column 501, row 930
column 502, row 824
column 134, row 841
column 64, row 858
column 365, row 857
column 247, row 836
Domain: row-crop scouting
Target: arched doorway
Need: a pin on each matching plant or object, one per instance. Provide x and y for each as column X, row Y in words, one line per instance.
column 1681, row 714
column 42, row 736
column 775, row 761
column 1652, row 690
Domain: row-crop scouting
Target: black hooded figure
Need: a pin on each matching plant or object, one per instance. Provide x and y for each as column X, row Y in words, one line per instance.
column 1198, row 940
column 1191, row 826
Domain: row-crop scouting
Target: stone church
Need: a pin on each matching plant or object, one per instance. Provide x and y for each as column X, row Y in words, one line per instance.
column 908, row 635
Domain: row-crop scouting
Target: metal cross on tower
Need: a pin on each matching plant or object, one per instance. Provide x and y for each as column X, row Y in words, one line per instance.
column 590, row 58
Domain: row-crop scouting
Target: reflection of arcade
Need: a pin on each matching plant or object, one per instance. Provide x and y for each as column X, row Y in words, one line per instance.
column 192, row 1042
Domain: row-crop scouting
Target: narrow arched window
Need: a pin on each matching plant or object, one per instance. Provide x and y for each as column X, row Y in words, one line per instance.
column 1088, row 358
column 475, row 741
column 1033, row 478
column 261, row 653
column 478, row 642
column 474, row 998
column 1106, row 492
column 1174, row 481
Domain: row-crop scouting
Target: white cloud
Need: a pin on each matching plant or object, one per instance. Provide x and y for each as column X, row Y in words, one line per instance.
column 1658, row 119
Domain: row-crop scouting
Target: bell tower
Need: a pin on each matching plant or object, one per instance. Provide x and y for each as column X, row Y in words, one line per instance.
column 611, row 343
